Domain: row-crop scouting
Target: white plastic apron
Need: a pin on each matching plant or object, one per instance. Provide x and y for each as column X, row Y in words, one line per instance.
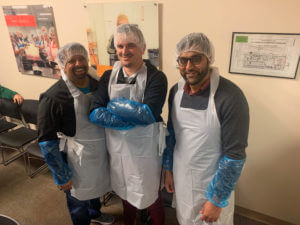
column 196, row 156
column 135, row 164
column 86, row 151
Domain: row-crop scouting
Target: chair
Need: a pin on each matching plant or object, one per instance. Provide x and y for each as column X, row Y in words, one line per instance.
column 5, row 125
column 18, row 138
column 8, row 110
column 33, row 150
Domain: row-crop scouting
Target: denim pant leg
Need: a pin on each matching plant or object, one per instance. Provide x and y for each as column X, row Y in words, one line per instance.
column 94, row 208
column 82, row 211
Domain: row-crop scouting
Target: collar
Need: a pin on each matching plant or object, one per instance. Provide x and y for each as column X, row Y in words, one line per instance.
column 203, row 87
column 131, row 78
column 123, row 78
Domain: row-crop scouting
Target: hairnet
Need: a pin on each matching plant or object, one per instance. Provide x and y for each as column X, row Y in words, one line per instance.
column 66, row 52
column 196, row 42
column 130, row 33
column 51, row 31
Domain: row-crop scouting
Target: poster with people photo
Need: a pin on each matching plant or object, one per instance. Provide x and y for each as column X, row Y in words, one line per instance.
column 34, row 39
column 103, row 18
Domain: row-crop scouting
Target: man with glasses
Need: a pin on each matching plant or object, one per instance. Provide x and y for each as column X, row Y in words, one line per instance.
column 208, row 130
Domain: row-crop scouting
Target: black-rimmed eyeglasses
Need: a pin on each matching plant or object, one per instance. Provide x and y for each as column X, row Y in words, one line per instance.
column 195, row 60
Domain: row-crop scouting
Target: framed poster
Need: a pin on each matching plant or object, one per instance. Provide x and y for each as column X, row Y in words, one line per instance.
column 265, row 54
column 103, row 20
column 34, row 40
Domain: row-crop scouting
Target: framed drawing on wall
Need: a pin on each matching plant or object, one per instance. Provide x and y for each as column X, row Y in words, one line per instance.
column 265, row 54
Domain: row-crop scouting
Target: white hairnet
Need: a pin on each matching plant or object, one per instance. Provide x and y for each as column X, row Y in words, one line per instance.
column 130, row 33
column 196, row 42
column 66, row 52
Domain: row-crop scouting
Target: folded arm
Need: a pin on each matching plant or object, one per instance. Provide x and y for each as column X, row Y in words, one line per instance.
column 103, row 117
column 131, row 111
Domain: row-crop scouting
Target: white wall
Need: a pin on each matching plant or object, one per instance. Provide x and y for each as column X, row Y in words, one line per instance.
column 270, row 181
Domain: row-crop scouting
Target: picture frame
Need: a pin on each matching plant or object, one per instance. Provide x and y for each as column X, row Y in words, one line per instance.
column 34, row 39
column 103, row 19
column 265, row 54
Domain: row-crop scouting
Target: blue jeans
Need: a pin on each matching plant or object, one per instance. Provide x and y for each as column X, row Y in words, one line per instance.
column 83, row 211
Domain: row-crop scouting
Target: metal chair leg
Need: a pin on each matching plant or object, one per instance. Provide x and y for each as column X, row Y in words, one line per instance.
column 15, row 157
column 38, row 170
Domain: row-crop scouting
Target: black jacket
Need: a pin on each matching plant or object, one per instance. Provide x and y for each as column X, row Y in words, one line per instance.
column 155, row 91
column 56, row 111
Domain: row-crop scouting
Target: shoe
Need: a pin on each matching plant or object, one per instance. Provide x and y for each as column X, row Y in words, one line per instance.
column 104, row 219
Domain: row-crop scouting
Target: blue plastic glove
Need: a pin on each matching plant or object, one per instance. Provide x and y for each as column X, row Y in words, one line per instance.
column 54, row 158
column 102, row 117
column 131, row 111
column 220, row 188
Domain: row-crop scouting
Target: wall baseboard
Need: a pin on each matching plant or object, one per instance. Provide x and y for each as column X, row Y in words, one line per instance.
column 259, row 216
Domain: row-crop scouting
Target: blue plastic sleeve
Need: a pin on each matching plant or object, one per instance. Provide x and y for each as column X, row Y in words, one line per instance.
column 169, row 150
column 102, row 117
column 131, row 111
column 59, row 168
column 220, row 188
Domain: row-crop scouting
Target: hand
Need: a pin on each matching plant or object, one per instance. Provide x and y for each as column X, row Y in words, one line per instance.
column 169, row 181
column 66, row 186
column 18, row 99
column 210, row 212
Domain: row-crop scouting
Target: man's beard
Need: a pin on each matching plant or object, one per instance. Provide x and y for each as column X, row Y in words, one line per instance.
column 199, row 75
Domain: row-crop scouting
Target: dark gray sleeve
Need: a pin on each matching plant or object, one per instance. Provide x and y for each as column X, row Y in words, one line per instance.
column 233, row 113
column 100, row 97
column 47, row 119
column 155, row 93
column 170, row 139
column 172, row 93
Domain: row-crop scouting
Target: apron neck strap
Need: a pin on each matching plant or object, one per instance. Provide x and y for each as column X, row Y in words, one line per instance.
column 72, row 88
